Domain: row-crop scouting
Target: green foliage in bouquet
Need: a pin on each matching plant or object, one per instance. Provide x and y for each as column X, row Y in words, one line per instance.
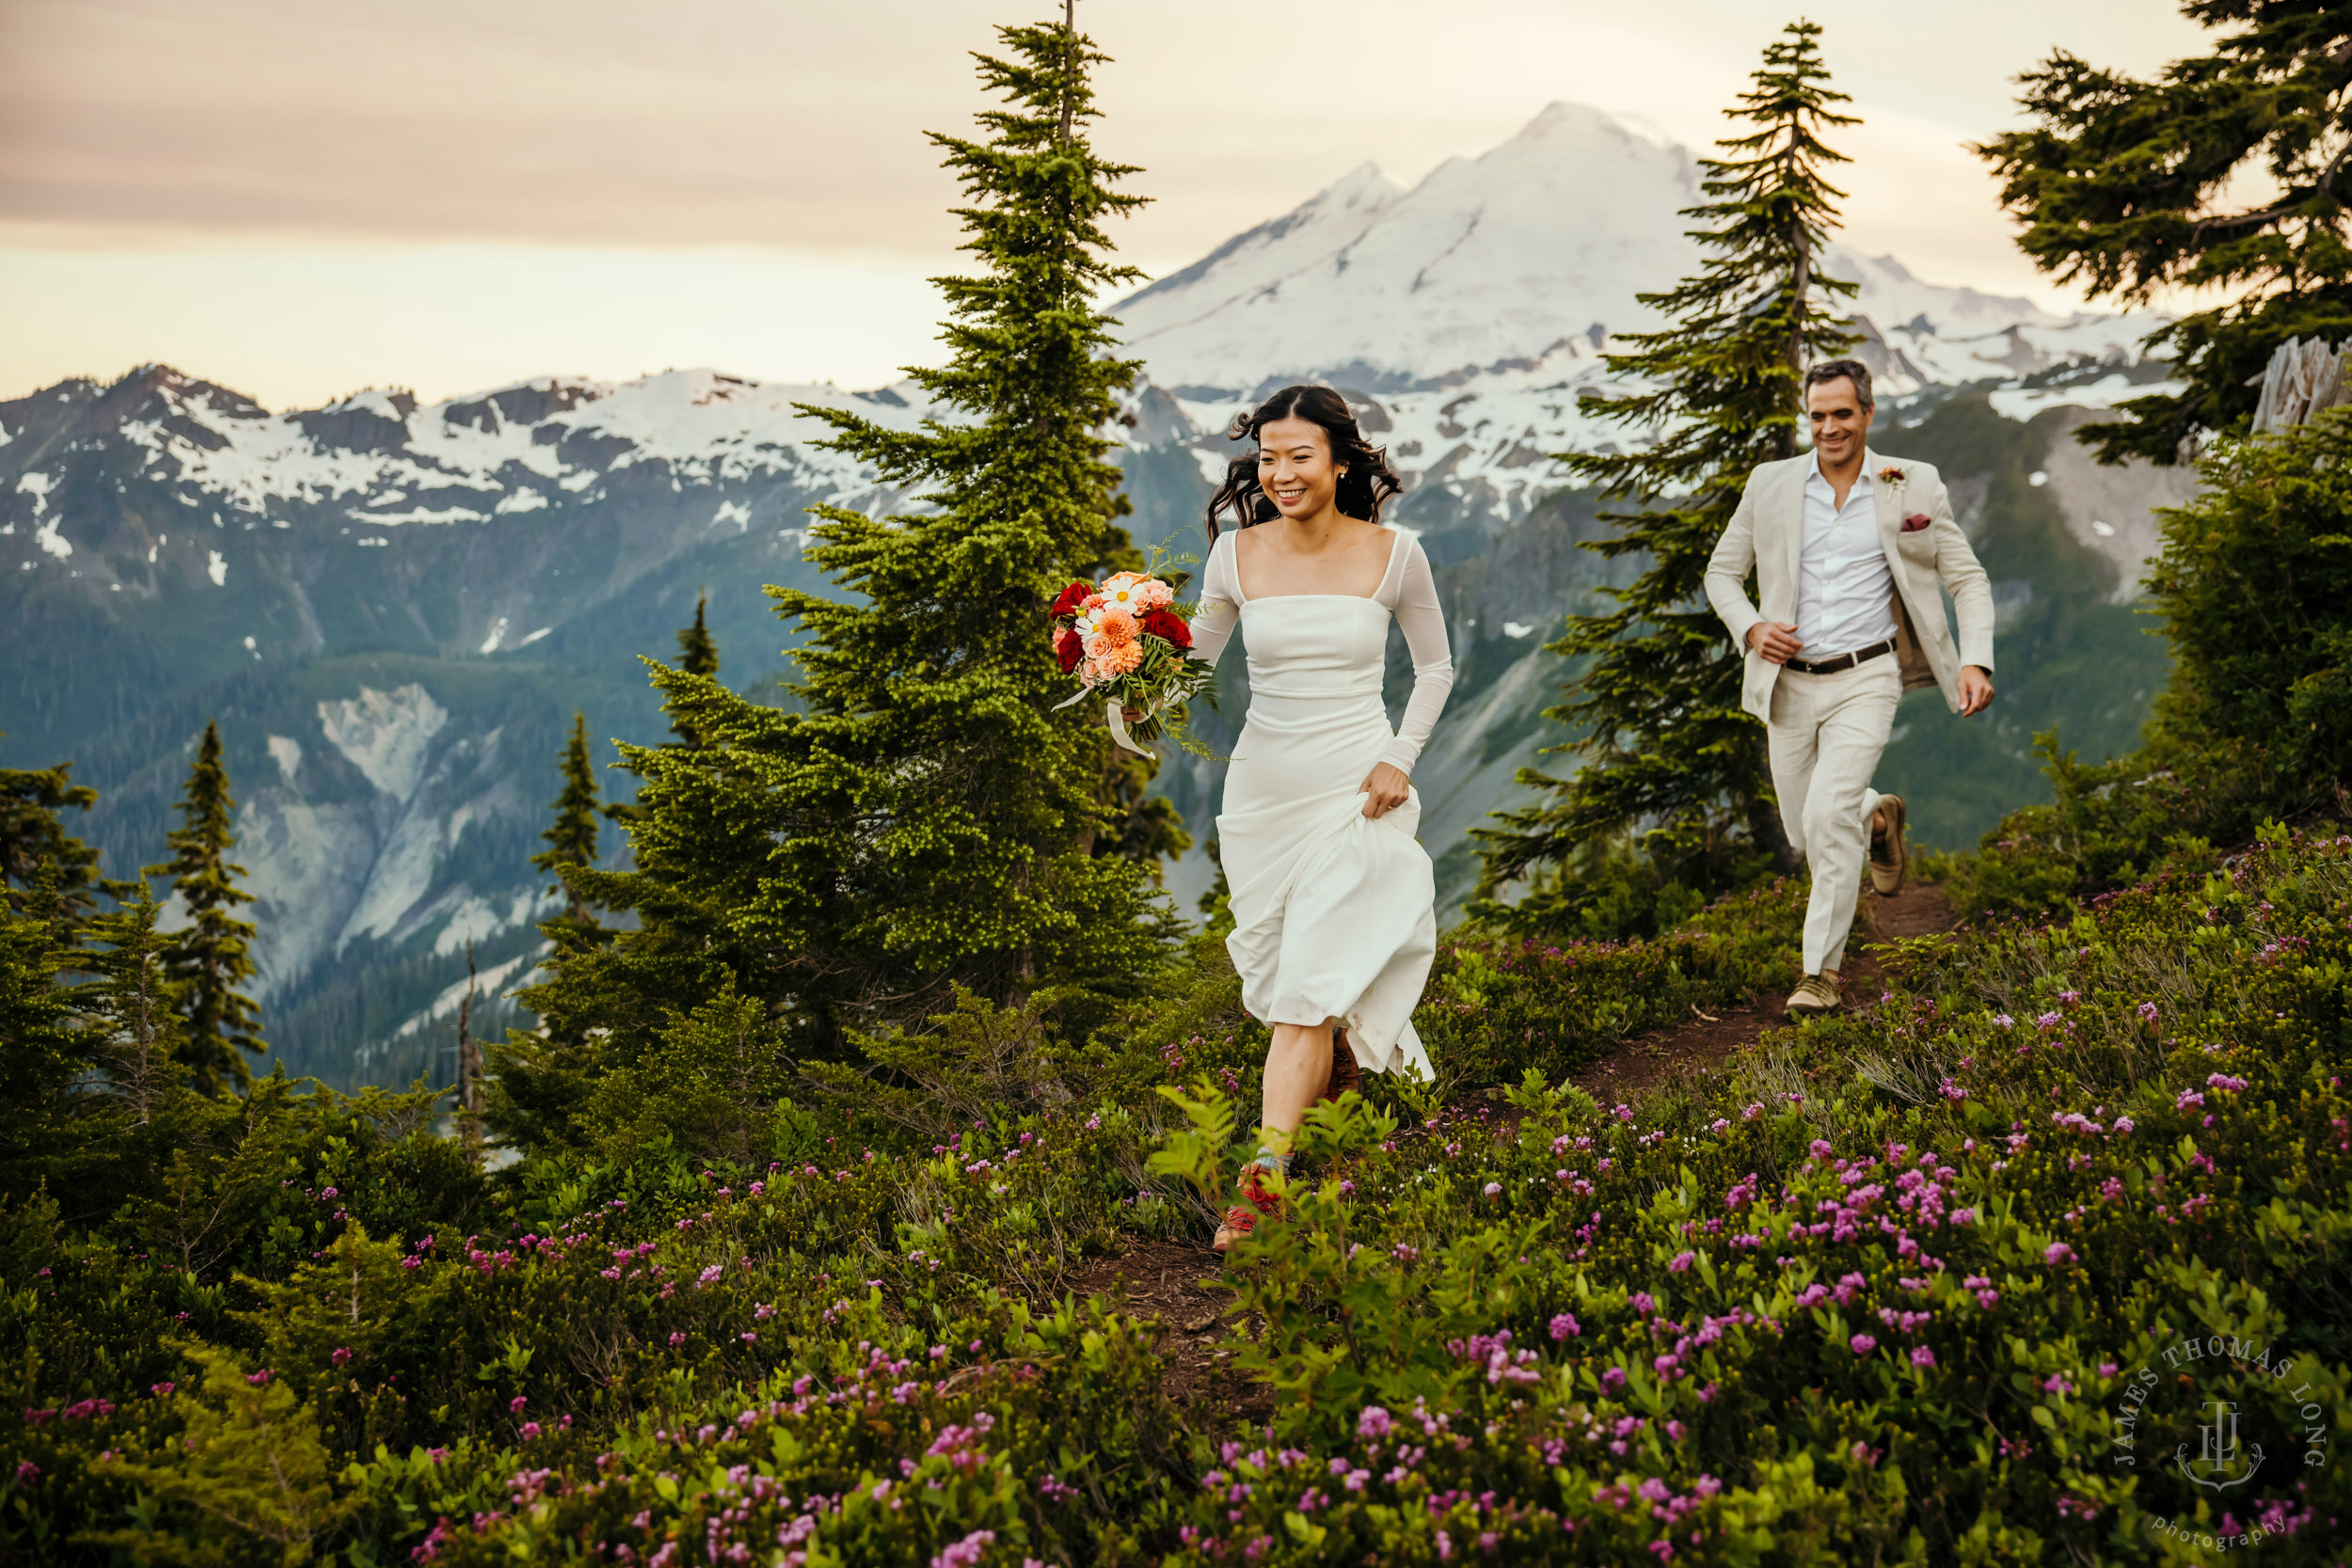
column 1670, row 759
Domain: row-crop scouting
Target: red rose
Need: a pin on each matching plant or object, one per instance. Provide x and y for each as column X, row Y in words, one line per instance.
column 1169, row 625
column 1067, row 650
column 1071, row 597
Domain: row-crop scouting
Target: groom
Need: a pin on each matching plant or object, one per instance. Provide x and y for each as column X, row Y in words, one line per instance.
column 1847, row 547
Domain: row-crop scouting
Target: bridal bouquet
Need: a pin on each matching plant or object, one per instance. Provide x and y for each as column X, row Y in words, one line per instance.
column 1127, row 643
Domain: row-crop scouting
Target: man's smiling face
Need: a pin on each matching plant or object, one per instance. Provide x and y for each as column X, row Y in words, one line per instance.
column 1840, row 421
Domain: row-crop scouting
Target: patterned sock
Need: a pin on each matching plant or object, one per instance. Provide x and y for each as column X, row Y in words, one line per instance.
column 1272, row 1160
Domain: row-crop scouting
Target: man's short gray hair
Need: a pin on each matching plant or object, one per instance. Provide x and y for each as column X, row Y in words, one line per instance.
column 1842, row 370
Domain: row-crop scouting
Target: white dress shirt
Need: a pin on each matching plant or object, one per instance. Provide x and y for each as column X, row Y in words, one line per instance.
column 1845, row 593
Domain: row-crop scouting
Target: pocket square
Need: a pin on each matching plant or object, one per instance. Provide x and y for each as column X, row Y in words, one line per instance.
column 1916, row 521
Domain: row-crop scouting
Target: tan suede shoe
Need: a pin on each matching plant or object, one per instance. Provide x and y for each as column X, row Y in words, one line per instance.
column 1888, row 859
column 1814, row 996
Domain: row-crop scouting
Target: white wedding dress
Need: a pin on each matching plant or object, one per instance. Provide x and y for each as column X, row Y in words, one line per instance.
column 1334, row 912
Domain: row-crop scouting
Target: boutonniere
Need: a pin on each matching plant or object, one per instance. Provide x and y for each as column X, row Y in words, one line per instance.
column 1892, row 476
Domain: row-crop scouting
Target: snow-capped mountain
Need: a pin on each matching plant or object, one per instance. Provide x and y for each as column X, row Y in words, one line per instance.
column 395, row 609
column 1474, row 307
column 1534, row 252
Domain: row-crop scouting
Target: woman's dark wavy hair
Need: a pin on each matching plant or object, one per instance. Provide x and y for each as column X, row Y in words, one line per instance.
column 1364, row 489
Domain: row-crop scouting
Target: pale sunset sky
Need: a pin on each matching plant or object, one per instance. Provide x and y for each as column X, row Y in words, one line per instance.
column 302, row 198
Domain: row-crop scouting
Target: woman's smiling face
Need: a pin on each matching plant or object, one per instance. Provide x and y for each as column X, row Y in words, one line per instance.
column 1294, row 467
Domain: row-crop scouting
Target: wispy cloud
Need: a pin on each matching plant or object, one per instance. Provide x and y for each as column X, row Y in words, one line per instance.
column 298, row 129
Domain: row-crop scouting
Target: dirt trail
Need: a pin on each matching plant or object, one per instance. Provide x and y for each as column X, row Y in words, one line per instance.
column 1183, row 1285
column 1697, row 1048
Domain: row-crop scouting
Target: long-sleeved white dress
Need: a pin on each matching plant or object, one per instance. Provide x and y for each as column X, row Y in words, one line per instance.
column 1334, row 912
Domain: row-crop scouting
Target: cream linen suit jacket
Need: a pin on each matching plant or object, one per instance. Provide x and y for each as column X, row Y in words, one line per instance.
column 1767, row 535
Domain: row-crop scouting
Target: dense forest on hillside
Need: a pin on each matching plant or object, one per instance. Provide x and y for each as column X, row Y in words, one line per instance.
column 855, row 1163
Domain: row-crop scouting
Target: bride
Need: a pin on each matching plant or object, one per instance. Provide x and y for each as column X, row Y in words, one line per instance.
column 1333, row 897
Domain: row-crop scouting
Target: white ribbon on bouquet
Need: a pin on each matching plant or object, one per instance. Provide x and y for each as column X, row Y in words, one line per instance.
column 1114, row 715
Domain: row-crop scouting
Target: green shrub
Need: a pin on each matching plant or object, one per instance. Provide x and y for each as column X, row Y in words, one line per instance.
column 1547, row 1331
column 2254, row 584
column 2049, row 1157
column 1498, row 1005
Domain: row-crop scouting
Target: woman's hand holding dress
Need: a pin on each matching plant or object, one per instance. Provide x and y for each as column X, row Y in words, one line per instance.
column 1384, row 788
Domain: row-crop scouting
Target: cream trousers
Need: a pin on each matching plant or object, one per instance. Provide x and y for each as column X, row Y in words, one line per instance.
column 1825, row 736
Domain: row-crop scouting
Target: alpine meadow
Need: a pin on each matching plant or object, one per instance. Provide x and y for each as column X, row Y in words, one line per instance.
column 479, row 1092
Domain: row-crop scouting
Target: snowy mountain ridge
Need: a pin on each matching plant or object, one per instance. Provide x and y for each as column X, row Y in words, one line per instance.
column 395, row 608
column 1465, row 316
column 1541, row 243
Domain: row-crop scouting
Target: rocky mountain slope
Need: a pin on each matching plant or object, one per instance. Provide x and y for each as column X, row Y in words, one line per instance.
column 394, row 609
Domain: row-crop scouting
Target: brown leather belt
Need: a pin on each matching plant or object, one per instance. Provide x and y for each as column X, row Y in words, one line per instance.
column 1843, row 661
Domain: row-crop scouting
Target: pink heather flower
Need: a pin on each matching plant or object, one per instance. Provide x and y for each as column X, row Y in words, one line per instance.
column 27, row 1472
column 1681, row 1263
column 1862, row 1344
column 967, row 1552
column 1373, row 1421
column 2002, row 1021
column 529, row 1432
column 1565, row 1327
column 260, row 1379
column 677, row 1339
column 2108, row 1368
column 514, row 1406
column 162, row 1390
column 1494, row 1189
column 340, row 1355
column 2057, row 1253
column 1922, row 1356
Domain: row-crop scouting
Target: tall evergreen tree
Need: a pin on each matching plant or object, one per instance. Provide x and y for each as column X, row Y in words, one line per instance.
column 133, row 1008
column 697, row 650
column 571, row 838
column 33, row 840
column 697, row 655
column 2127, row 186
column 213, row 956
column 1669, row 756
column 926, row 821
column 42, row 1055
